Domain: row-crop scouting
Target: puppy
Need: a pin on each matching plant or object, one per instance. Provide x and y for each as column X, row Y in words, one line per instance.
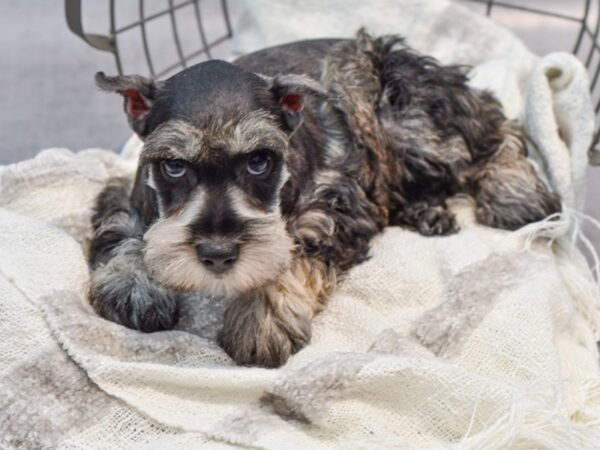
column 263, row 180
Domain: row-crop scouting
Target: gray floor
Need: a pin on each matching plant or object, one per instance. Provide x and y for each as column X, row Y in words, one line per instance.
column 49, row 99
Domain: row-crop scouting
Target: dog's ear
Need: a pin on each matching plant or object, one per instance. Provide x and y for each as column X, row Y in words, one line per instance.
column 138, row 94
column 290, row 92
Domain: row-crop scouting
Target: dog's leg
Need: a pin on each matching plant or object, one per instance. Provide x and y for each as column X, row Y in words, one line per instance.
column 266, row 326
column 427, row 218
column 508, row 191
column 121, row 289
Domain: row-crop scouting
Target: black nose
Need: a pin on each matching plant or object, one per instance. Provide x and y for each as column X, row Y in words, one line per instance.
column 218, row 257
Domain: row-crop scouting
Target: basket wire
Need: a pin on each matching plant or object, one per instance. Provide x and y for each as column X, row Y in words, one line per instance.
column 588, row 32
column 589, row 27
column 111, row 41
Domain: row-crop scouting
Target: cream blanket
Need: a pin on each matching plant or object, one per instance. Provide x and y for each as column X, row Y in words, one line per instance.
column 484, row 339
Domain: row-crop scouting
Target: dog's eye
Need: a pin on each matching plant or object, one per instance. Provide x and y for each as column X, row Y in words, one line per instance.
column 258, row 163
column 174, row 168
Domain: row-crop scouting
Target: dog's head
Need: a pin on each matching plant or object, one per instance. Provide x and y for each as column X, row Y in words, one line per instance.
column 216, row 145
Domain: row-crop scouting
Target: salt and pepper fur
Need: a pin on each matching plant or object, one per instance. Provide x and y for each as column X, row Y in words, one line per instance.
column 385, row 137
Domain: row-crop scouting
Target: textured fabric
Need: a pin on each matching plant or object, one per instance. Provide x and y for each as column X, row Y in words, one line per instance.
column 483, row 339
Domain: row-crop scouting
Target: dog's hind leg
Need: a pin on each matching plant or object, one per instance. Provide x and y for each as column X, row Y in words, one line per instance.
column 508, row 191
column 425, row 218
column 121, row 289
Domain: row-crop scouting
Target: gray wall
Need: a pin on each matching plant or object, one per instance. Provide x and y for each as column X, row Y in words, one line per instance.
column 48, row 96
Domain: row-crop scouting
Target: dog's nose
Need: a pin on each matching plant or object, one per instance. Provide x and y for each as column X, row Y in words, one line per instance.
column 218, row 257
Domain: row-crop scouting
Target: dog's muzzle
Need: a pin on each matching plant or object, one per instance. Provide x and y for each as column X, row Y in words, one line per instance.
column 218, row 258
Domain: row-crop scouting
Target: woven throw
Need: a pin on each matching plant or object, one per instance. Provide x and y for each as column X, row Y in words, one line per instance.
column 485, row 339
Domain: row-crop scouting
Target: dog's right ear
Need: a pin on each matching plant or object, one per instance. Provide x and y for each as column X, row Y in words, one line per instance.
column 138, row 94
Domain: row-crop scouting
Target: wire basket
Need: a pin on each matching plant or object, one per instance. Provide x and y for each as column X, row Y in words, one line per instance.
column 156, row 25
column 180, row 25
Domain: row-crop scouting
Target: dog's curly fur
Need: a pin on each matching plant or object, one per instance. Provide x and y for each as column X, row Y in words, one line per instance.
column 388, row 136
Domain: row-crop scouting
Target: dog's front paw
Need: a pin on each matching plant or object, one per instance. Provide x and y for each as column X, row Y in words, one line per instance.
column 131, row 298
column 259, row 330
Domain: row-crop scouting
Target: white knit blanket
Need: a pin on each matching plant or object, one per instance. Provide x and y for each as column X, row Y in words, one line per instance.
column 483, row 339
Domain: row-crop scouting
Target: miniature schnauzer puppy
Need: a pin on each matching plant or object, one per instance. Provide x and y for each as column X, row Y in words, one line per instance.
column 263, row 180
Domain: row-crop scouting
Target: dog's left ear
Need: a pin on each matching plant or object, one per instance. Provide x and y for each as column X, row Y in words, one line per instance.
column 290, row 91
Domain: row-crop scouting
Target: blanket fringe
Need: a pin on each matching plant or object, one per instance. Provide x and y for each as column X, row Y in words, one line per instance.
column 534, row 423
column 563, row 232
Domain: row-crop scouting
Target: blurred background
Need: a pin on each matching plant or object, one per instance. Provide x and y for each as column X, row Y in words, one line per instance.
column 49, row 98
